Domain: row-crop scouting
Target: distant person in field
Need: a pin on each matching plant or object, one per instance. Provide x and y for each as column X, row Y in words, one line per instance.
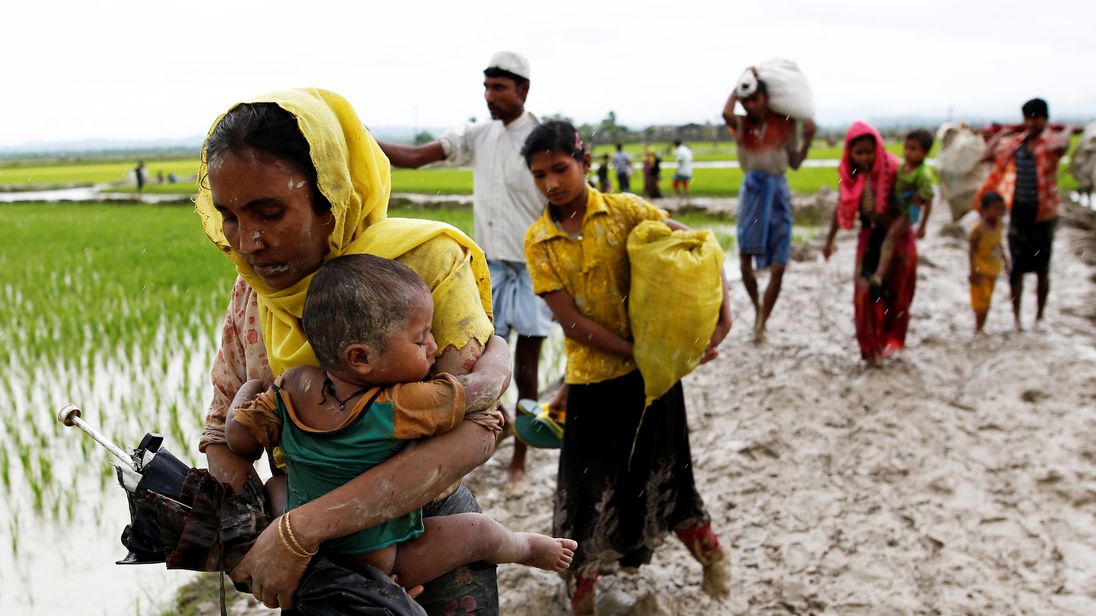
column 652, row 170
column 684, row 173
column 987, row 257
column 139, row 175
column 912, row 197
column 603, row 175
column 1025, row 173
column 505, row 202
column 767, row 146
column 622, row 164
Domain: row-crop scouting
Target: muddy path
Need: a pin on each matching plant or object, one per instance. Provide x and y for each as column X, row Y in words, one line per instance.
column 957, row 479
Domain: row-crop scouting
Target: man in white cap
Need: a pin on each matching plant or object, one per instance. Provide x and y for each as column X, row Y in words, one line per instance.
column 505, row 203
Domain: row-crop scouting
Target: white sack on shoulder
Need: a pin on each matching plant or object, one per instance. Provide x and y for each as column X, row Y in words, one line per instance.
column 1082, row 164
column 959, row 166
column 789, row 92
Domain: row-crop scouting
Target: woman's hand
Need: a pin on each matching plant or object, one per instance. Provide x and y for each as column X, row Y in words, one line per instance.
column 723, row 325
column 827, row 250
column 712, row 352
column 722, row 328
column 559, row 400
column 271, row 569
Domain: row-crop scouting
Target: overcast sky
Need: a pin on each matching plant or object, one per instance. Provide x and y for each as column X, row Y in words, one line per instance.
column 76, row 70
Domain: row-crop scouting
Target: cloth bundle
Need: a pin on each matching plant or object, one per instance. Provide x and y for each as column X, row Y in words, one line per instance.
column 787, row 87
column 1083, row 162
column 674, row 301
column 959, row 166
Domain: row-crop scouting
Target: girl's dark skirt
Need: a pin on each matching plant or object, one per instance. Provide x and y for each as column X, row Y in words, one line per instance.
column 616, row 512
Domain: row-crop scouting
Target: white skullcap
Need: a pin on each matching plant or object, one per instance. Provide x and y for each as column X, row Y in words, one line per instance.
column 510, row 62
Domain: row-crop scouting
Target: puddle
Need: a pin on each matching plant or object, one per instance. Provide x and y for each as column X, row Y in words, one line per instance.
column 85, row 193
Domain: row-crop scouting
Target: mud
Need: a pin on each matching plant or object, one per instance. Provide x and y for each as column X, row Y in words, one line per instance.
column 957, row 479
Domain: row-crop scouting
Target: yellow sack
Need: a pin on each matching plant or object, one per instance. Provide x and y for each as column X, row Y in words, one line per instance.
column 674, row 301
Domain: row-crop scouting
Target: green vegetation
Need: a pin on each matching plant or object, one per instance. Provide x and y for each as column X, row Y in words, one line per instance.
column 203, row 594
column 708, row 182
column 93, row 172
column 116, row 308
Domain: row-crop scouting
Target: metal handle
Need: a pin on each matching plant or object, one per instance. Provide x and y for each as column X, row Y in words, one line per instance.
column 69, row 415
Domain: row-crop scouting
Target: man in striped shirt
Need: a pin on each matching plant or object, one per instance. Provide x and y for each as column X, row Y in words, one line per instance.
column 1025, row 171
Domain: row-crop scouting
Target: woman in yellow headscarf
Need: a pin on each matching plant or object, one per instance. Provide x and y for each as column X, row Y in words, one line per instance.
column 287, row 181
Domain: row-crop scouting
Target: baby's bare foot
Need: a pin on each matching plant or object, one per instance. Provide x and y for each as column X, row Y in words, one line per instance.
column 550, row 554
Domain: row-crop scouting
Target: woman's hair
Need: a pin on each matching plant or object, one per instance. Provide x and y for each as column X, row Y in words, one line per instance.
column 357, row 299
column 762, row 88
column 554, row 136
column 268, row 128
column 860, row 139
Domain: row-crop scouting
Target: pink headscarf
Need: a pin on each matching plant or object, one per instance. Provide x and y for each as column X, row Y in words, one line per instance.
column 851, row 185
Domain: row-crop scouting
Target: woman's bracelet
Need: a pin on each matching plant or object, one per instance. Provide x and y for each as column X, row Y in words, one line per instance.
column 295, row 547
column 293, row 538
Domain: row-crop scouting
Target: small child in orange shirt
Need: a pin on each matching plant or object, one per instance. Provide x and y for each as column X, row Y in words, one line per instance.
column 986, row 257
column 369, row 322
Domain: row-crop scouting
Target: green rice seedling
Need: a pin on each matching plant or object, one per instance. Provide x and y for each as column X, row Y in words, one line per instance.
column 36, row 490
column 70, row 501
column 5, row 469
column 45, row 468
column 13, row 531
column 24, row 457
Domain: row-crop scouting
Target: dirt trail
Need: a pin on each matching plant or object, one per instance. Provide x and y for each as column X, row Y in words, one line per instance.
column 958, row 479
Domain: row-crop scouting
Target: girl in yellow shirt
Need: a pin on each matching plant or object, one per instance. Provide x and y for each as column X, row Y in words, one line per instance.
column 617, row 510
column 986, row 257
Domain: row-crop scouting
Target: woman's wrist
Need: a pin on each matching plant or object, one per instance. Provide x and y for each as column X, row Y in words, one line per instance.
column 291, row 541
column 309, row 526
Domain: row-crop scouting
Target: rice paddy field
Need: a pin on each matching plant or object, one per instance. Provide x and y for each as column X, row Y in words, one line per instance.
column 114, row 308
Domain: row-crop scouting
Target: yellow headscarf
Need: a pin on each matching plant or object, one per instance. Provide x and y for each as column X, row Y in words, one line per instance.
column 354, row 175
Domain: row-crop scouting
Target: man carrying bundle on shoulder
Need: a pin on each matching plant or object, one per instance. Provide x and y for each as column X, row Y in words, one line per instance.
column 767, row 146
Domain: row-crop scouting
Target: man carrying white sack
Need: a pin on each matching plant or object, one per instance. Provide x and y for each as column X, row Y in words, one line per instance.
column 774, row 95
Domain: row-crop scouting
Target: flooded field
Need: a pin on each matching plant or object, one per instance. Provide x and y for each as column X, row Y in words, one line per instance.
column 116, row 309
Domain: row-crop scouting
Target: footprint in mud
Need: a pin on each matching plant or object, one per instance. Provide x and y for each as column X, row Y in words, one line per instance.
column 1034, row 396
column 953, row 230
